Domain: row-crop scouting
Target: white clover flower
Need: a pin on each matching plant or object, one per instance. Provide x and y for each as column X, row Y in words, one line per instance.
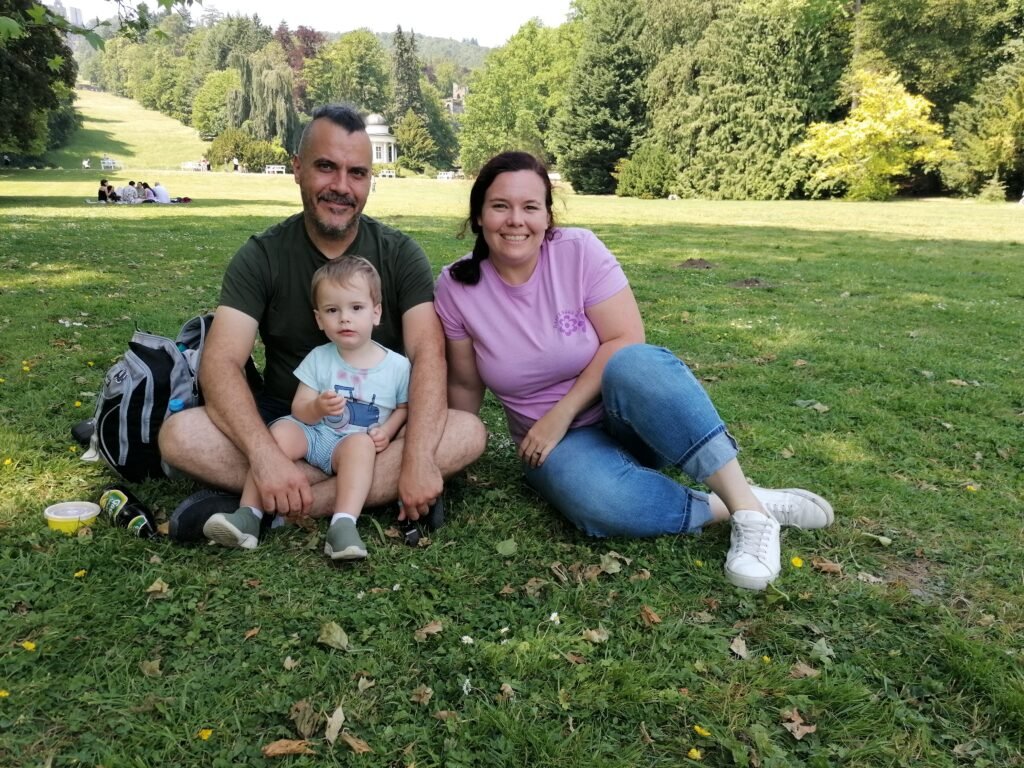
column 503, row 631
column 396, row 587
column 360, row 595
column 467, row 640
column 467, row 687
column 554, row 618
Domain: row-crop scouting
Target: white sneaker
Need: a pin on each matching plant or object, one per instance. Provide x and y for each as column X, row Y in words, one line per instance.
column 753, row 560
column 795, row 507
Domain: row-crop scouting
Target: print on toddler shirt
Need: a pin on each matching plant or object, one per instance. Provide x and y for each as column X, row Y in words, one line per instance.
column 356, row 414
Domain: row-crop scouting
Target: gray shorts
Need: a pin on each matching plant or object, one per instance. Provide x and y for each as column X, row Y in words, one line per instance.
column 320, row 444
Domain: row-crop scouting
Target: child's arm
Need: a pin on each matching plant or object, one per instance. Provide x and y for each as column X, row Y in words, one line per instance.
column 383, row 434
column 310, row 406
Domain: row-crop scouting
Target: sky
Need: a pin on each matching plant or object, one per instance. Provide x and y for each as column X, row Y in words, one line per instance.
column 491, row 24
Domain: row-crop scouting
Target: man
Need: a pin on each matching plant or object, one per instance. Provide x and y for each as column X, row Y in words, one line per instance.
column 129, row 194
column 162, row 195
column 266, row 289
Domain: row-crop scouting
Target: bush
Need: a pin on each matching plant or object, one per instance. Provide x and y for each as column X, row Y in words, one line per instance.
column 994, row 191
column 651, row 173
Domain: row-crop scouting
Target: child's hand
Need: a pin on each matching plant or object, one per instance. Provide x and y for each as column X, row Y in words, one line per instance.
column 380, row 440
column 330, row 403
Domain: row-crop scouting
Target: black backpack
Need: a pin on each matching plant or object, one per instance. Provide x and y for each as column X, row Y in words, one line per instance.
column 137, row 391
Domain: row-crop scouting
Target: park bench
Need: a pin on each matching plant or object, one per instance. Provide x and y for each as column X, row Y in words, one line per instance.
column 109, row 164
column 192, row 166
column 446, row 175
column 273, row 169
column 387, row 174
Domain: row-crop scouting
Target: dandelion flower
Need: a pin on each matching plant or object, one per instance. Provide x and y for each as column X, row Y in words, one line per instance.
column 766, row 659
column 796, row 562
column 25, row 368
column 8, row 461
column 205, row 734
column 703, row 732
column 3, row 381
column 90, row 363
column 28, row 645
column 4, row 694
column 694, row 754
column 698, row 563
column 79, row 574
column 972, row 488
column 78, row 403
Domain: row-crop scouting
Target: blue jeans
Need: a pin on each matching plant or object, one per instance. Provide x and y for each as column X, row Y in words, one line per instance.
column 604, row 478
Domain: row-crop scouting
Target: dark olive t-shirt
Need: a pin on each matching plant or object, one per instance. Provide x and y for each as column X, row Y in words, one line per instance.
column 268, row 279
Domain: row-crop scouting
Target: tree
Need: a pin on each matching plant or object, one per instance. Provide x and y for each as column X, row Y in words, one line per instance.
column 352, row 69
column 513, row 98
column 988, row 131
column 416, row 148
column 731, row 99
column 887, row 134
column 37, row 72
column 210, row 109
column 405, row 76
column 650, row 173
column 604, row 112
column 263, row 106
column 941, row 48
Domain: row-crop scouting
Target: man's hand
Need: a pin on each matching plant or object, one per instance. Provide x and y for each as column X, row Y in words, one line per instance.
column 283, row 487
column 419, row 485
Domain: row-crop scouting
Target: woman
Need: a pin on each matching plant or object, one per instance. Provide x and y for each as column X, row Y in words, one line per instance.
column 147, row 194
column 544, row 318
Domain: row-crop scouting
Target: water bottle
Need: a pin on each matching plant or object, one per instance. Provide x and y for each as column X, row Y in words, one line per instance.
column 124, row 510
column 173, row 406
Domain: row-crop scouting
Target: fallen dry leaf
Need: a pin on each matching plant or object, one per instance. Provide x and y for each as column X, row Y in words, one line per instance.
column 250, row 633
column 365, row 684
column 826, row 566
column 445, row 714
column 421, row 695
column 508, row 589
column 868, row 578
column 506, row 693
column 306, row 719
column 334, row 723
column 794, row 723
column 155, row 560
column 534, row 587
column 333, row 636
column 599, row 635
column 393, row 533
column 290, row 663
column 799, row 363
column 356, row 744
column 150, row 668
column 431, row 628
column 158, row 590
column 283, row 747
column 559, row 572
column 592, row 572
column 800, row 670
column 164, row 529
column 648, row 615
column 642, row 575
column 787, row 453
column 739, row 647
column 252, row 583
column 575, row 658
column 701, row 617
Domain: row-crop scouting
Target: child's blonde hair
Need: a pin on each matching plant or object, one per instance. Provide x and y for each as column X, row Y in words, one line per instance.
column 341, row 271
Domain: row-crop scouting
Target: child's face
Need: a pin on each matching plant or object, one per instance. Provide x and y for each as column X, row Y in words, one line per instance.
column 346, row 312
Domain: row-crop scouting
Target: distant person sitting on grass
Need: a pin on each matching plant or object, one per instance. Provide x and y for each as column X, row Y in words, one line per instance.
column 101, row 193
column 161, row 193
column 351, row 401
column 147, row 194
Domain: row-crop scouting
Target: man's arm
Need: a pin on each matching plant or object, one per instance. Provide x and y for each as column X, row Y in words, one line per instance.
column 283, row 487
column 420, row 482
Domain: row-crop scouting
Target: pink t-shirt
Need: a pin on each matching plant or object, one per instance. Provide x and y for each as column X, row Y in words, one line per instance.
column 533, row 340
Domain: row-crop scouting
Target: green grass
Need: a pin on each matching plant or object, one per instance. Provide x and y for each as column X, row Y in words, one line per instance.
column 904, row 319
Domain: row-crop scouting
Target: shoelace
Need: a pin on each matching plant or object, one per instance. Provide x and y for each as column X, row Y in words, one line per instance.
column 754, row 537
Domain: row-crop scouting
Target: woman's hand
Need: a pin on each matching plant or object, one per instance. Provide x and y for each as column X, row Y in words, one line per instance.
column 544, row 435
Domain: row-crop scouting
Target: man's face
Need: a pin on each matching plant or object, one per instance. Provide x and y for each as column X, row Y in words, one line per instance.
column 333, row 172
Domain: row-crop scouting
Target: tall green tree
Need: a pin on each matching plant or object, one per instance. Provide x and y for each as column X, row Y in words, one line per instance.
column 352, row 69
column 513, row 98
column 210, row 109
column 942, row 49
column 405, row 77
column 884, row 137
column 988, row 131
column 604, row 113
column 440, row 126
column 730, row 100
column 416, row 148
column 263, row 104
column 37, row 72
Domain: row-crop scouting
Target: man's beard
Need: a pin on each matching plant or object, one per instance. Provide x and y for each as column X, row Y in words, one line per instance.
column 331, row 231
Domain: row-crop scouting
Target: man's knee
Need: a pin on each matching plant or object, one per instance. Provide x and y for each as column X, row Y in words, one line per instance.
column 468, row 434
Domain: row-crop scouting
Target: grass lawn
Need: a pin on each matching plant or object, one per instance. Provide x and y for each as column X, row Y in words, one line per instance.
column 869, row 352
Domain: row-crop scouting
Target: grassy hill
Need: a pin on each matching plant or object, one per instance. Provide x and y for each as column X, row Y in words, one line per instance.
column 126, row 131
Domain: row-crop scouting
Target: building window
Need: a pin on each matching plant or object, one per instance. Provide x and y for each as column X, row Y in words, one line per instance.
column 376, row 152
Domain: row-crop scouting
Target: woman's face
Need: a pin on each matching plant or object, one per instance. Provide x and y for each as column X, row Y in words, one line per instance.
column 515, row 219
